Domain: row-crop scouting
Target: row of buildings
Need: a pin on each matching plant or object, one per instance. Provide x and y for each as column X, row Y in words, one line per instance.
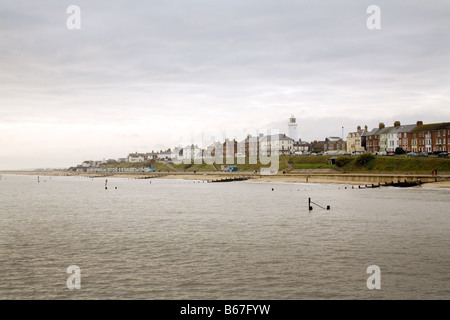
column 419, row 137
column 131, row 158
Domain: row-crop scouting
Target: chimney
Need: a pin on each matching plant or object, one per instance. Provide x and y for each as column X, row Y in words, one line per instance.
column 358, row 128
column 397, row 124
column 419, row 123
column 381, row 125
column 365, row 128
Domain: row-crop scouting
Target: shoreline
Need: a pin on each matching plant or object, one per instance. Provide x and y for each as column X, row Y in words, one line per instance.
column 428, row 181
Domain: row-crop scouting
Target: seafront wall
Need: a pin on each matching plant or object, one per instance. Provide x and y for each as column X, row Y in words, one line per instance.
column 308, row 177
column 371, row 178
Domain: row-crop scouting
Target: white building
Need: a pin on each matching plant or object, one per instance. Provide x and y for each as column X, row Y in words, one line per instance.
column 177, row 153
column 292, row 125
column 166, row 155
column 301, row 147
column 397, row 138
column 187, row 153
column 278, row 144
column 384, row 139
column 136, row 157
column 87, row 164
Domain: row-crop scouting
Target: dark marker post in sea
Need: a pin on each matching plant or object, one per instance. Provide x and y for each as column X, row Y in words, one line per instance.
column 106, row 184
column 310, row 206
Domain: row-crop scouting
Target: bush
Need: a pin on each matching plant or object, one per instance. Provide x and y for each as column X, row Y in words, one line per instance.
column 342, row 161
column 364, row 159
column 399, row 150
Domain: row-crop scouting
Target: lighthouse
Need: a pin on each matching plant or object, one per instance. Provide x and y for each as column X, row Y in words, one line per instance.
column 292, row 125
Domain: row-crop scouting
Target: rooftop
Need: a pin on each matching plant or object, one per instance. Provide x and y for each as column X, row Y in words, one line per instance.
column 432, row 127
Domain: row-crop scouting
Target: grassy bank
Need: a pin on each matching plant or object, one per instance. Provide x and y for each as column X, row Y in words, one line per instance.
column 203, row 167
column 345, row 164
column 399, row 164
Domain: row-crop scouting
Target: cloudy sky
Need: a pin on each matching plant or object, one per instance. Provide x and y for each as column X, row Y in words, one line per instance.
column 141, row 75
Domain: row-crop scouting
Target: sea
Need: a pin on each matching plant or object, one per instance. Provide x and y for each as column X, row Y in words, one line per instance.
column 169, row 239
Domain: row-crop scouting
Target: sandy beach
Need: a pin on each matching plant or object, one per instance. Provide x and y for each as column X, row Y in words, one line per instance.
column 441, row 184
column 324, row 178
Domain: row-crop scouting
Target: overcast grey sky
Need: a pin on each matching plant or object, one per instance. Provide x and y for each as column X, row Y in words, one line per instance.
column 140, row 73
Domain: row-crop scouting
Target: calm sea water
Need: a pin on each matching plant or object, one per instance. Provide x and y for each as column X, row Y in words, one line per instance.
column 176, row 239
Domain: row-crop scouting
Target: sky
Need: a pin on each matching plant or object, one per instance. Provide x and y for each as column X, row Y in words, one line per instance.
column 149, row 75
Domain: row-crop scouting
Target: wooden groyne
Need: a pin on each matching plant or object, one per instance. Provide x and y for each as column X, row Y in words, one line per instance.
column 400, row 184
column 404, row 184
column 230, row 179
column 152, row 176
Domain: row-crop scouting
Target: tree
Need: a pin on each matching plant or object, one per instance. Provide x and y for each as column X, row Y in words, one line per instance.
column 364, row 159
column 342, row 161
column 317, row 146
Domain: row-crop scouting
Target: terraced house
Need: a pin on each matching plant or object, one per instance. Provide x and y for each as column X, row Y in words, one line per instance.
column 250, row 146
column 431, row 138
column 399, row 137
column 384, row 135
column 373, row 139
column 355, row 141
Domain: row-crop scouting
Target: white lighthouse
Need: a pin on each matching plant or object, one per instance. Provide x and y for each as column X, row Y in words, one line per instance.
column 292, row 125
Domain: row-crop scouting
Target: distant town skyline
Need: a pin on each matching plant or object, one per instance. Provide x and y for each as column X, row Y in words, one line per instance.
column 137, row 75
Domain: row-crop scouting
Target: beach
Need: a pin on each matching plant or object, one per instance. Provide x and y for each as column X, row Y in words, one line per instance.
column 315, row 176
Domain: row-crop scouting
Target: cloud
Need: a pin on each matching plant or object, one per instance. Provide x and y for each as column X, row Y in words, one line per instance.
column 164, row 68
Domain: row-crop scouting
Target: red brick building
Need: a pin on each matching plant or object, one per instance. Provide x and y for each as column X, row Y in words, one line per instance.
column 373, row 139
column 431, row 138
